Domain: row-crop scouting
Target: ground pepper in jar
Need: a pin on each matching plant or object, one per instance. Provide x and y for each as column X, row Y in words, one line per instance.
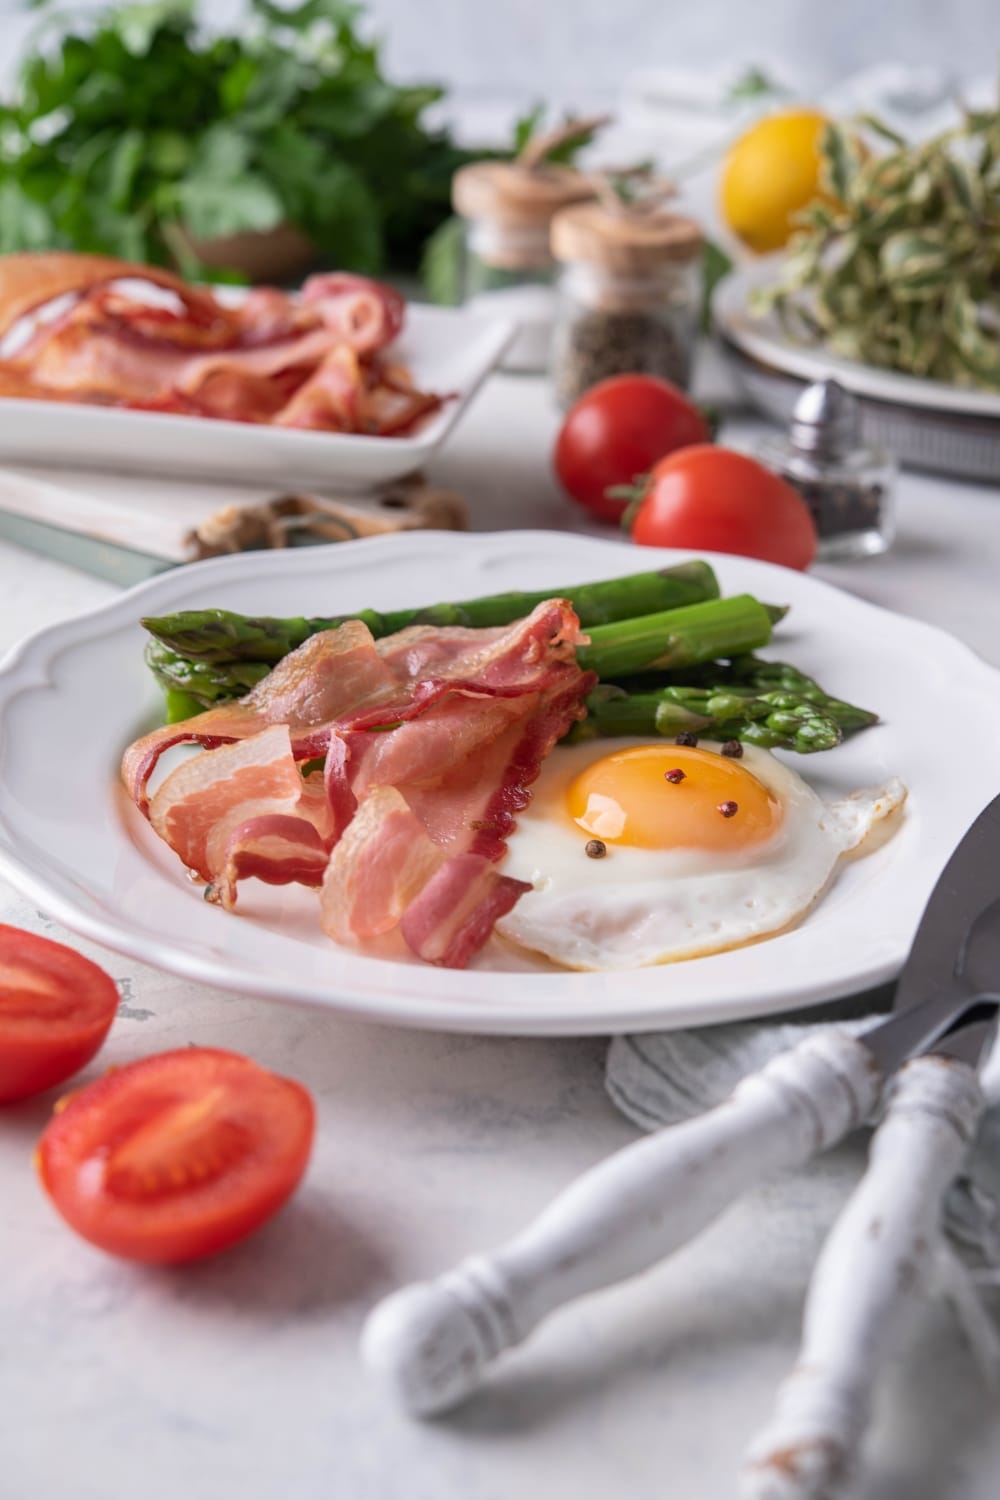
column 630, row 288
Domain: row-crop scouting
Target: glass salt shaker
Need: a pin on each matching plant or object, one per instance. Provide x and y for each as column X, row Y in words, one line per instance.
column 848, row 486
column 630, row 289
column 508, row 270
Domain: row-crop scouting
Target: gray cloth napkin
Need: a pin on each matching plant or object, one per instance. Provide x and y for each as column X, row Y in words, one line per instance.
column 662, row 1078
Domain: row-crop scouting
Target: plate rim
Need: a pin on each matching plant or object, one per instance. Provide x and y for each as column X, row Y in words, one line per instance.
column 759, row 339
column 25, row 665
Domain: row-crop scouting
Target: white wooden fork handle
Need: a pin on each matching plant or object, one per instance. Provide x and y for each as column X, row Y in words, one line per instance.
column 867, row 1281
column 432, row 1342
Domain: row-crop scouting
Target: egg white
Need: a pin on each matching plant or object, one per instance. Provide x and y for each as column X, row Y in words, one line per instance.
column 637, row 907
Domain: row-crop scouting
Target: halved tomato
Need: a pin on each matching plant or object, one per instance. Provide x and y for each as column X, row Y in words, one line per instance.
column 56, row 1008
column 178, row 1155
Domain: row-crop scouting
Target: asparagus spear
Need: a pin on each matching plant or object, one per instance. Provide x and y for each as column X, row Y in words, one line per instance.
column 780, row 676
column 772, row 720
column 676, row 638
column 218, row 635
column 751, row 676
column 771, row 704
column 191, row 686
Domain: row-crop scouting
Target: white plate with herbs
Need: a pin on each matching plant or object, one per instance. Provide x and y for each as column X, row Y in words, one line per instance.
column 761, row 336
column 73, row 696
column 930, row 424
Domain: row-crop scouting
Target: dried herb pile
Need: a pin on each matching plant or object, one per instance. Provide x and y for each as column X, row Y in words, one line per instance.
column 901, row 268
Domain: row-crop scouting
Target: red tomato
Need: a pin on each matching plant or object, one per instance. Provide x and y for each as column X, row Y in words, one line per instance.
column 56, row 1008
column 178, row 1155
column 712, row 499
column 616, row 432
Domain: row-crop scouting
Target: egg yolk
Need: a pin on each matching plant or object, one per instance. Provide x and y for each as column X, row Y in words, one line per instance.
column 633, row 797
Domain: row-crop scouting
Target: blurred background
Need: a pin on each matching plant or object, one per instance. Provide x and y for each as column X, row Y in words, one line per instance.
column 674, row 76
column 757, row 198
column 571, row 49
column 574, row 49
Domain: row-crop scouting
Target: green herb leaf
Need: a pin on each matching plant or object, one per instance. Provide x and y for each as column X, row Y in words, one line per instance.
column 24, row 224
column 211, row 208
column 441, row 265
column 754, row 83
column 905, row 274
column 137, row 25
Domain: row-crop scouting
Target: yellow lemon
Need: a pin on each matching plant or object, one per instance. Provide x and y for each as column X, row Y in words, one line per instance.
column 769, row 174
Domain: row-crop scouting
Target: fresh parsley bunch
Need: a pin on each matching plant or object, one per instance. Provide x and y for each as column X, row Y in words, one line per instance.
column 134, row 132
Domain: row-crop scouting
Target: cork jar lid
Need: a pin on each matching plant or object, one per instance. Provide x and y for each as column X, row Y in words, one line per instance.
column 629, row 242
column 515, row 194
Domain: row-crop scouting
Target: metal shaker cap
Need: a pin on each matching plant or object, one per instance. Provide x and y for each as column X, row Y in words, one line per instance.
column 826, row 420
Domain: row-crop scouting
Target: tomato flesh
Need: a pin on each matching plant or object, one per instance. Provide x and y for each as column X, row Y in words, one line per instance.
column 713, row 499
column 177, row 1156
column 616, row 432
column 56, row 1008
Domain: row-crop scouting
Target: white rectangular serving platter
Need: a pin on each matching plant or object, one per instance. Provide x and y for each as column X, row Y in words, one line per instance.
column 446, row 350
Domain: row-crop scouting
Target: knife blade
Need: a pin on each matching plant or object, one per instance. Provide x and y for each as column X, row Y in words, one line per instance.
column 956, row 951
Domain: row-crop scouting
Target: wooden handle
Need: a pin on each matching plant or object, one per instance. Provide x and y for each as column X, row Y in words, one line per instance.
column 867, row 1281
column 432, row 1342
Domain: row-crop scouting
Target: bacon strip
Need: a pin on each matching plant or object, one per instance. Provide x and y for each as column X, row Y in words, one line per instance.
column 432, row 740
column 311, row 363
column 331, row 398
column 245, row 810
column 343, row 680
column 379, row 866
column 363, row 315
column 30, row 280
column 455, row 913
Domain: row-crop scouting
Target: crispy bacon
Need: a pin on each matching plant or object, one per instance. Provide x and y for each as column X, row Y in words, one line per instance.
column 246, row 810
column 342, row 679
column 33, row 279
column 331, row 398
column 314, row 362
column 382, row 862
column 432, row 739
column 363, row 315
column 454, row 914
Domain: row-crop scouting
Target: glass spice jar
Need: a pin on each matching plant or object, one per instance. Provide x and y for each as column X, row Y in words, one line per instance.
column 630, row 290
column 506, row 209
column 848, row 486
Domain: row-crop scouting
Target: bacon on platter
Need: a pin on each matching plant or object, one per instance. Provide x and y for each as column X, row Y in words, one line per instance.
column 87, row 328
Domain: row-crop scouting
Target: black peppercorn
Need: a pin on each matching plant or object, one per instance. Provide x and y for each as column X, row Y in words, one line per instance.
column 733, row 748
column 729, row 809
column 674, row 776
column 595, row 849
column 686, row 738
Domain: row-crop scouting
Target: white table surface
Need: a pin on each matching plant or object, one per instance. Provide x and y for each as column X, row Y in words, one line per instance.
column 239, row 1377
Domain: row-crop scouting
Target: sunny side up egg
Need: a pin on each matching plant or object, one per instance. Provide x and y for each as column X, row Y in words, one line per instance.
column 690, row 851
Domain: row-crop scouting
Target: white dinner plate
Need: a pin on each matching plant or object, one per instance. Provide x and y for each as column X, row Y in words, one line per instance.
column 930, row 424
column 73, row 696
column 447, row 350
